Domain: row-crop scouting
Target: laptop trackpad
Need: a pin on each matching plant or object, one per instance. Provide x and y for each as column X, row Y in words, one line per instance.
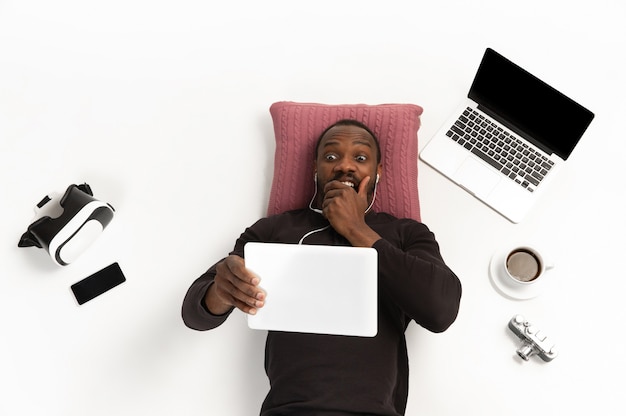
column 477, row 178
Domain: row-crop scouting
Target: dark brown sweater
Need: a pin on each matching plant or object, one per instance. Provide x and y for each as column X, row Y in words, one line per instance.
column 314, row 374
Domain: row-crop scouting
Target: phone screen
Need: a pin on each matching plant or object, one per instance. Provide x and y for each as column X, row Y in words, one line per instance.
column 98, row 283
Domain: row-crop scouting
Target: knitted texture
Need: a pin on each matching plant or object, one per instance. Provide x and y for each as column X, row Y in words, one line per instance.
column 297, row 126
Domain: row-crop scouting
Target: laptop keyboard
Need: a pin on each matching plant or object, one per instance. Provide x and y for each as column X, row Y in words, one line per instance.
column 502, row 150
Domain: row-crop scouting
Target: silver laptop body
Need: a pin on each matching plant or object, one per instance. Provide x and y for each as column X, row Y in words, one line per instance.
column 509, row 138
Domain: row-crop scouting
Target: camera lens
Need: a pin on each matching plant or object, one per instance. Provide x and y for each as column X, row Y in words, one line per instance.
column 526, row 350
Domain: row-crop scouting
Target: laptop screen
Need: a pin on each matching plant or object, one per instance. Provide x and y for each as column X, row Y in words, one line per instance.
column 528, row 106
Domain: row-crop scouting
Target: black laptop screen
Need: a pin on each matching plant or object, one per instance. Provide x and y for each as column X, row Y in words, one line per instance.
column 528, row 105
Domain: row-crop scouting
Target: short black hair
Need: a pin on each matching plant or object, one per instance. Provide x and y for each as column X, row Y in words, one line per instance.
column 350, row 122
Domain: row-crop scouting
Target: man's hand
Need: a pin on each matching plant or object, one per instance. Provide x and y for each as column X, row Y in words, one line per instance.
column 234, row 285
column 345, row 210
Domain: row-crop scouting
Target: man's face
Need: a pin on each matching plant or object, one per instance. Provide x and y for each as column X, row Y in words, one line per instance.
column 346, row 154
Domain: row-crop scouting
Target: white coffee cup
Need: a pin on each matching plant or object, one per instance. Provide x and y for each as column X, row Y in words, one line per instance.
column 524, row 266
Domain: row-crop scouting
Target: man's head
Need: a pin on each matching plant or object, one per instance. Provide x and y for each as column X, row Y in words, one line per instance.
column 347, row 151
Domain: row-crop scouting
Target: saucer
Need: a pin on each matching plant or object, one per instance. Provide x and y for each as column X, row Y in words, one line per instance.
column 509, row 289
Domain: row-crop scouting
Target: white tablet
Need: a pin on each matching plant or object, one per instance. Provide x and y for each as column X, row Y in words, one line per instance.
column 316, row 289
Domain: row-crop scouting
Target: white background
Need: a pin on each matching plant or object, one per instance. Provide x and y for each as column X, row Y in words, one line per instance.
column 162, row 107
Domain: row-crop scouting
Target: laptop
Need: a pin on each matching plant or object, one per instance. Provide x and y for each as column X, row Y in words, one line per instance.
column 315, row 289
column 509, row 138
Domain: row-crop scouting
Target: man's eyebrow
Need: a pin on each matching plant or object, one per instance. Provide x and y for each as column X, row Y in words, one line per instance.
column 364, row 142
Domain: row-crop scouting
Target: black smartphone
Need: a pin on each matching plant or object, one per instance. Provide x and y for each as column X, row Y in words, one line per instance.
column 98, row 283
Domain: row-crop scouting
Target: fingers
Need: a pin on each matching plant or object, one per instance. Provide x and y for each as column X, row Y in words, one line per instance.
column 351, row 201
column 237, row 286
column 363, row 187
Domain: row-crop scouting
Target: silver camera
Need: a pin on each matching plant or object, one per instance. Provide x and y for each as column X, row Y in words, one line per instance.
column 534, row 341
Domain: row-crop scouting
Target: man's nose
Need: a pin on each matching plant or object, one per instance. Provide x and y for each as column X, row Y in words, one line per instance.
column 345, row 164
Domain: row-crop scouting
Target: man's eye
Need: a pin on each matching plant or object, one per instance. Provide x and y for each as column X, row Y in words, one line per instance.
column 331, row 157
column 361, row 158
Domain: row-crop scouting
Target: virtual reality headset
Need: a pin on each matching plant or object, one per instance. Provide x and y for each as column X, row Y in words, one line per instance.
column 69, row 234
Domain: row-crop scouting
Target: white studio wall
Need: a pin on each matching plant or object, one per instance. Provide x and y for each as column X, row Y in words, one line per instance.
column 163, row 109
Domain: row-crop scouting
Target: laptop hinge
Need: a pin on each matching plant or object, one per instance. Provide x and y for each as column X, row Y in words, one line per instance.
column 514, row 129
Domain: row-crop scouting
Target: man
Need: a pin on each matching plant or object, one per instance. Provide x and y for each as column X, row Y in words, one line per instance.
column 314, row 374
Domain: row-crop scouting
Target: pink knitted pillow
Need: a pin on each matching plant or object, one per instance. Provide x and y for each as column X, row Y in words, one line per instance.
column 297, row 127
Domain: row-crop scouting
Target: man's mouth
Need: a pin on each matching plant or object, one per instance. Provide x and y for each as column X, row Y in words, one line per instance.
column 347, row 180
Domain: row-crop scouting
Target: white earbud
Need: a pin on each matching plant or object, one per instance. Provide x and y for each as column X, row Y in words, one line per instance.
column 377, row 177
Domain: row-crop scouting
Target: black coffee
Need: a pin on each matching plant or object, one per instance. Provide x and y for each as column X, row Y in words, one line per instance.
column 523, row 265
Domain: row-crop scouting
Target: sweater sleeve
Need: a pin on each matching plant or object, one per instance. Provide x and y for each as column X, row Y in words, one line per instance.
column 418, row 280
column 194, row 312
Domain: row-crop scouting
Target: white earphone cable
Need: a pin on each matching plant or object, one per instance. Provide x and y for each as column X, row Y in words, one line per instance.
column 312, row 232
